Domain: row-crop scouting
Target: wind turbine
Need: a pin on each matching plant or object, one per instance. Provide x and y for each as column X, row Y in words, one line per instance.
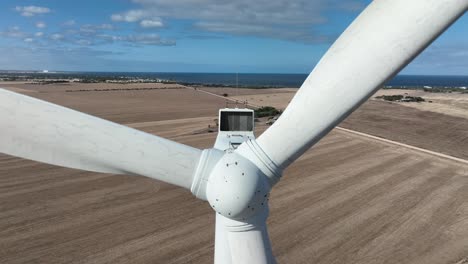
column 385, row 37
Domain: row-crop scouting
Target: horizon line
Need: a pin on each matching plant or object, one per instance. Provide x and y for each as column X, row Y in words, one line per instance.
column 188, row 72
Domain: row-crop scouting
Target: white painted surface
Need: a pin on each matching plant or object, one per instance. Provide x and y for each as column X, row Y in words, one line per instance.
column 375, row 47
column 248, row 240
column 222, row 250
column 236, row 188
column 45, row 132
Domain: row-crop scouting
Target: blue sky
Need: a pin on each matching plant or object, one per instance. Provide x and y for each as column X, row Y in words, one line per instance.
column 267, row 36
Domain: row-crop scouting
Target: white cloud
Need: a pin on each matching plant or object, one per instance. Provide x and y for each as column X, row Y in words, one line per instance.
column 141, row 39
column 88, row 28
column 69, row 23
column 281, row 19
column 240, row 11
column 441, row 58
column 41, row 24
column 86, row 35
column 105, row 27
column 130, row 16
column 14, row 32
column 78, row 59
column 151, row 23
column 350, row 6
column 148, row 39
column 146, row 19
column 279, row 32
column 117, row 18
column 84, row 42
column 56, row 36
column 29, row 11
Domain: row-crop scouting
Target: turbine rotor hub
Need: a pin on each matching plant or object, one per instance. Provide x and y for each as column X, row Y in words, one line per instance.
column 237, row 188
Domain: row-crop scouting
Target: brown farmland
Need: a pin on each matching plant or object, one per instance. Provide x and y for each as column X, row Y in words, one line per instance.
column 349, row 199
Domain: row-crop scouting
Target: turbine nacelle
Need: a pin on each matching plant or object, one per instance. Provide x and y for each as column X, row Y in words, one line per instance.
column 232, row 176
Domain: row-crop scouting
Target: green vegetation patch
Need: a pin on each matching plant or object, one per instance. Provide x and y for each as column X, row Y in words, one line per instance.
column 266, row 111
column 401, row 98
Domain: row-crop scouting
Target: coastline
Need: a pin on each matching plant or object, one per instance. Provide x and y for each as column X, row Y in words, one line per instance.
column 242, row 80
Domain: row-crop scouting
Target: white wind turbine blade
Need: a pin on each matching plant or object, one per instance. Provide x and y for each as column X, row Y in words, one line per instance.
column 385, row 37
column 45, row 132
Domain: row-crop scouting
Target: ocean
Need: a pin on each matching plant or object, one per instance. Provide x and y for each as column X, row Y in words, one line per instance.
column 289, row 80
column 261, row 80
